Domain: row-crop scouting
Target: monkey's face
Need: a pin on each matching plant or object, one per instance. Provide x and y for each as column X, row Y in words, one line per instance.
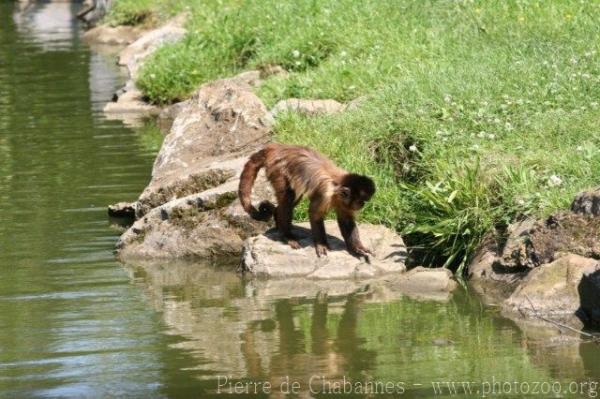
column 359, row 200
column 356, row 190
column 355, row 199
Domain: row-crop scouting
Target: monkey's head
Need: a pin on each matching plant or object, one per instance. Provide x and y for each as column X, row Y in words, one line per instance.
column 355, row 190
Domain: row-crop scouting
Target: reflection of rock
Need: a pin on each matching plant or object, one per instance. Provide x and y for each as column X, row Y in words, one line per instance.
column 426, row 283
column 554, row 291
column 550, row 348
column 49, row 25
column 265, row 329
column 104, row 75
column 222, row 118
column 265, row 255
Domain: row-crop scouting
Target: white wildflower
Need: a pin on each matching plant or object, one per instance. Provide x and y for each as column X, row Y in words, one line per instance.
column 491, row 136
column 413, row 148
column 521, row 201
column 579, row 148
column 295, row 54
column 554, row 181
column 573, row 60
column 343, row 54
column 447, row 98
column 481, row 134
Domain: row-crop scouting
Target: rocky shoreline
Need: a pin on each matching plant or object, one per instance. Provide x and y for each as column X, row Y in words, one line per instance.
column 547, row 271
column 190, row 210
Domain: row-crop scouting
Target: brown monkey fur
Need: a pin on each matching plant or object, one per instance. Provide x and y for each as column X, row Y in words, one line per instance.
column 295, row 172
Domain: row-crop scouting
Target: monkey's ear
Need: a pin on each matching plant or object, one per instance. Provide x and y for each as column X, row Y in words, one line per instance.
column 344, row 192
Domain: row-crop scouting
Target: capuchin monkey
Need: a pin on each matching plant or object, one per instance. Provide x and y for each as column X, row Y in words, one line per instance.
column 295, row 172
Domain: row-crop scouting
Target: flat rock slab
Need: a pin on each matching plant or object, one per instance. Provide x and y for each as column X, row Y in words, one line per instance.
column 266, row 255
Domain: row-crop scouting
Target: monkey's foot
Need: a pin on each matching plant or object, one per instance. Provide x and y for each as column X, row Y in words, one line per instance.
column 321, row 250
column 293, row 243
column 361, row 251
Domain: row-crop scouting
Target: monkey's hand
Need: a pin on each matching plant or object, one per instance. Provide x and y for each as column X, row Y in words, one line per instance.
column 293, row 243
column 321, row 250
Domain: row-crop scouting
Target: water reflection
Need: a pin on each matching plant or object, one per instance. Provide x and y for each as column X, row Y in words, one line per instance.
column 268, row 331
column 49, row 25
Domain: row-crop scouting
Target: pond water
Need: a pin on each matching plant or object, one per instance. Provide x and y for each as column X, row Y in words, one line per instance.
column 75, row 323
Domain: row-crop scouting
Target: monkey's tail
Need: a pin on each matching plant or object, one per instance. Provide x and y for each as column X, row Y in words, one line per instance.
column 265, row 209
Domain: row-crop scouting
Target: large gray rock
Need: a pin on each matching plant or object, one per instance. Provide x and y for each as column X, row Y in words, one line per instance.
column 587, row 203
column 266, row 255
column 566, row 291
column 222, row 118
column 206, row 225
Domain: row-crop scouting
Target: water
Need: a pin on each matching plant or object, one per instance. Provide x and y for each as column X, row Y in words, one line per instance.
column 74, row 323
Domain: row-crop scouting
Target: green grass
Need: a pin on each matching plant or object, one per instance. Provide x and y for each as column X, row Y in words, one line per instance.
column 477, row 112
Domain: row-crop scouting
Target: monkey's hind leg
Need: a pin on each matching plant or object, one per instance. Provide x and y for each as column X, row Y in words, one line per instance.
column 284, row 214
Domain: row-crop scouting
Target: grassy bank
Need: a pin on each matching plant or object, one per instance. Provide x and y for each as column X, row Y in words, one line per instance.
column 477, row 113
